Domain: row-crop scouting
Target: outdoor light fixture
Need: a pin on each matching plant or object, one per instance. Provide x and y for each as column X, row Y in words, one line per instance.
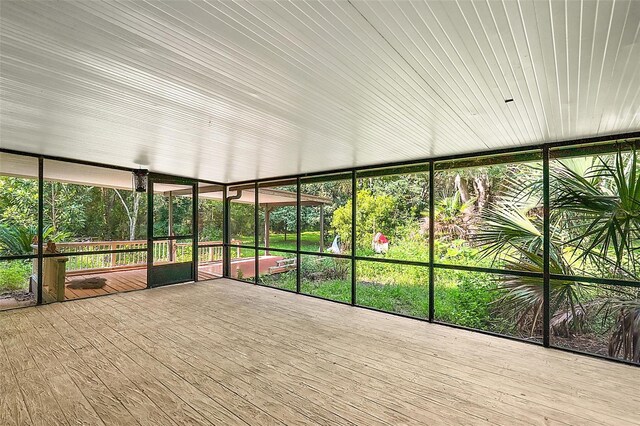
column 139, row 180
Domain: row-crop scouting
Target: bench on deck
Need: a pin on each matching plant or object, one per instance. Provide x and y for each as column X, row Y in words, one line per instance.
column 283, row 265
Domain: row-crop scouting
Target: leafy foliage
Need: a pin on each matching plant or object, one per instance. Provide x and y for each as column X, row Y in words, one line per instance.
column 14, row 275
column 595, row 225
column 210, row 218
column 449, row 209
column 19, row 200
column 373, row 214
column 19, row 239
column 601, row 210
column 284, row 220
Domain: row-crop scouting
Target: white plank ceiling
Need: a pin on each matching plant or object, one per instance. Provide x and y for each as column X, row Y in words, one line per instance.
column 229, row 91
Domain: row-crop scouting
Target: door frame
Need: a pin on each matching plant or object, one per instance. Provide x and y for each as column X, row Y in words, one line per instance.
column 152, row 279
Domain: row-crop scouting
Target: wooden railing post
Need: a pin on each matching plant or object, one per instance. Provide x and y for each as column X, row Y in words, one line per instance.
column 113, row 255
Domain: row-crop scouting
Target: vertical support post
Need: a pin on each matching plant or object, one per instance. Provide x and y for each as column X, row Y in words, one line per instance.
column 432, row 233
column 114, row 256
column 256, row 229
column 267, row 225
column 298, row 233
column 170, row 230
column 321, row 227
column 57, row 273
column 40, row 227
column 194, row 225
column 149, row 230
column 354, row 199
column 226, row 252
column 547, row 243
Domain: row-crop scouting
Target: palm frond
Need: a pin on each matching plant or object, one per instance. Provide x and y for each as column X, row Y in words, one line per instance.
column 602, row 206
column 525, row 295
column 504, row 226
column 19, row 239
column 624, row 341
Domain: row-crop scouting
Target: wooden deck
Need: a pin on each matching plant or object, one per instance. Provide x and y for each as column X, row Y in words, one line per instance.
column 222, row 352
column 115, row 282
column 122, row 281
column 136, row 279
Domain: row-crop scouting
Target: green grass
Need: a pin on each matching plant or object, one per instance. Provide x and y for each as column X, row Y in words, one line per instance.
column 463, row 298
column 336, row 289
column 244, row 252
column 286, row 280
column 309, row 241
column 412, row 300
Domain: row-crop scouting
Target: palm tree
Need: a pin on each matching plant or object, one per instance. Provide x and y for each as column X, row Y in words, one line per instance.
column 601, row 211
column 449, row 215
column 595, row 230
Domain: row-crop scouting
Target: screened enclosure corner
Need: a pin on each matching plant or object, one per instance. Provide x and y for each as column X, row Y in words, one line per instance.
column 539, row 245
column 70, row 230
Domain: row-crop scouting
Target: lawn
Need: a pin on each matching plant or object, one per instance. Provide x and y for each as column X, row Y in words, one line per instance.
column 462, row 298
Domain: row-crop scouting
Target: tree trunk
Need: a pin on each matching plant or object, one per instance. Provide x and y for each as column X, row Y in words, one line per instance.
column 108, row 205
column 134, row 216
column 54, row 223
column 462, row 186
column 481, row 184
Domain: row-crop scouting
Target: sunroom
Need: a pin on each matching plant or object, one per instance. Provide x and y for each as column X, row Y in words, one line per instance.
column 376, row 212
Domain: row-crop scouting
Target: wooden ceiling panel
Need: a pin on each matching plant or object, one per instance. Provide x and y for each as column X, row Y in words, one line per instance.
column 230, row 91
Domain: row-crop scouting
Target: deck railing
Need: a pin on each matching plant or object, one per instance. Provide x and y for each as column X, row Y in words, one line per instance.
column 89, row 262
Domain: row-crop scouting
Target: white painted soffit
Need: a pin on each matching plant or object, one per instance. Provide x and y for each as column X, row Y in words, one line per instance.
column 60, row 171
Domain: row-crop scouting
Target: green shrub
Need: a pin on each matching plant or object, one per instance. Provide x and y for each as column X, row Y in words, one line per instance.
column 469, row 299
column 459, row 252
column 14, row 275
column 324, row 268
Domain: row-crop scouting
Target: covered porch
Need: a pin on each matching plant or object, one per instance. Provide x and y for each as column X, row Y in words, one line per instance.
column 271, row 197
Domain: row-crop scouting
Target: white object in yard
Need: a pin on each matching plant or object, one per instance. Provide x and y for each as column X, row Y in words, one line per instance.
column 335, row 247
